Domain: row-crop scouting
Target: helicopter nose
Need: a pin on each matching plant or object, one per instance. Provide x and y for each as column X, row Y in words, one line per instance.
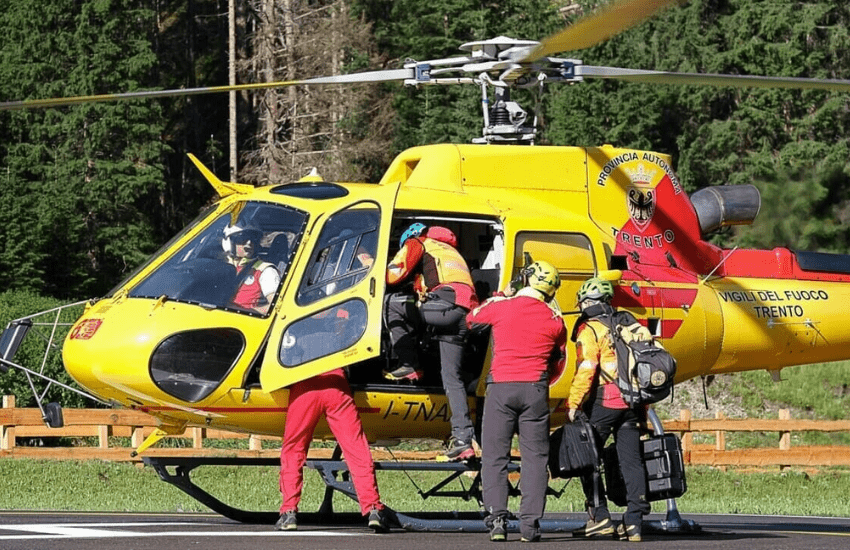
column 143, row 357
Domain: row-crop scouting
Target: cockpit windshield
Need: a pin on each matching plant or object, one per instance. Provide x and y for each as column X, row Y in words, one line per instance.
column 236, row 263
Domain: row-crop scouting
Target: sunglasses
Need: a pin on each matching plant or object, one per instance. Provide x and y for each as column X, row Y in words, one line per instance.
column 243, row 238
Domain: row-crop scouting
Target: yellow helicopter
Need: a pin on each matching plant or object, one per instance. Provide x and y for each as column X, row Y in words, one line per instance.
column 176, row 340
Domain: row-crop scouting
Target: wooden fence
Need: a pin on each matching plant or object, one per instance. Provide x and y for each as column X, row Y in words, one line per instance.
column 103, row 424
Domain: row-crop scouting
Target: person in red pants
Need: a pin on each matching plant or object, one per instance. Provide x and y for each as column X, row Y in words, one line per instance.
column 327, row 394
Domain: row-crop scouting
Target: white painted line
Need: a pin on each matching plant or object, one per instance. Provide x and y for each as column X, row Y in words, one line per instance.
column 90, row 531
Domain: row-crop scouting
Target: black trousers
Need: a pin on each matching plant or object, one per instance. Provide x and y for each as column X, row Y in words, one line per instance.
column 624, row 424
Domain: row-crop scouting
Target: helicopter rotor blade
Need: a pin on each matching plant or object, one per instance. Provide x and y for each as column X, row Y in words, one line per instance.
column 597, row 27
column 737, row 81
column 354, row 78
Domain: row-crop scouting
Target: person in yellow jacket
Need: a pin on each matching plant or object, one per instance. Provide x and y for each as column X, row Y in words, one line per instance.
column 444, row 294
column 594, row 391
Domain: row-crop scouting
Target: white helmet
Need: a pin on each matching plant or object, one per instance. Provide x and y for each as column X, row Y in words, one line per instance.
column 239, row 234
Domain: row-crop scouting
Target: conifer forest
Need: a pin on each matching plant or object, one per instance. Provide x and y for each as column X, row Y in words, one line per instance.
column 89, row 191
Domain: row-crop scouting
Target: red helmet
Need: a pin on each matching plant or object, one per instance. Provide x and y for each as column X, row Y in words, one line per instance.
column 442, row 234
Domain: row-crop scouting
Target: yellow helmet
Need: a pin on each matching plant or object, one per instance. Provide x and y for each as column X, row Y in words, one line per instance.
column 542, row 276
column 595, row 289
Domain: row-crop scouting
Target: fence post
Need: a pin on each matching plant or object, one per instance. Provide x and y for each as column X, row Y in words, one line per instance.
column 719, row 435
column 687, row 436
column 198, row 435
column 103, row 433
column 137, row 437
column 7, row 433
column 784, row 437
column 720, row 438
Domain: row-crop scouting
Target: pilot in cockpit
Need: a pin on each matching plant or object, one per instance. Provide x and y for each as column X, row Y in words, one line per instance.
column 257, row 280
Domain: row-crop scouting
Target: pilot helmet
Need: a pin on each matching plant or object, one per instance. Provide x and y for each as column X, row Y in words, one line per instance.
column 595, row 289
column 414, row 230
column 238, row 234
column 543, row 277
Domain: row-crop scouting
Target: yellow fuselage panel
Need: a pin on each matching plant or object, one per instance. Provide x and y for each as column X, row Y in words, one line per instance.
column 113, row 361
column 386, row 416
column 776, row 323
column 467, row 179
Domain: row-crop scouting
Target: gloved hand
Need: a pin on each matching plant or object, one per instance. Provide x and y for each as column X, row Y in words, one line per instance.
column 571, row 414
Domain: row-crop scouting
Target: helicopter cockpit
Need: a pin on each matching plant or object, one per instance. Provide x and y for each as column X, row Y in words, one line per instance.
column 200, row 273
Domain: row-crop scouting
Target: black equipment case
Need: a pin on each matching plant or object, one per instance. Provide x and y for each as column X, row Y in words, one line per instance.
column 664, row 466
column 572, row 449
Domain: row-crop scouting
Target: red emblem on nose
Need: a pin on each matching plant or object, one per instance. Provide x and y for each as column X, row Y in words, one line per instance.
column 86, row 329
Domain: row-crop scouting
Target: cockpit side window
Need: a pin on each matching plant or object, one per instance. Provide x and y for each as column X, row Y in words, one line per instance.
column 344, row 254
column 236, row 262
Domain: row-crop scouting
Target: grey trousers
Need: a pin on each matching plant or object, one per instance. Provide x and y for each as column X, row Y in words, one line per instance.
column 405, row 320
column 523, row 408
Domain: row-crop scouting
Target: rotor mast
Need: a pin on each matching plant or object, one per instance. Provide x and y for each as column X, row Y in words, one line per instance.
column 497, row 63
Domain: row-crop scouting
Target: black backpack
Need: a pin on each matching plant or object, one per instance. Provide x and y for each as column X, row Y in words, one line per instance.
column 645, row 369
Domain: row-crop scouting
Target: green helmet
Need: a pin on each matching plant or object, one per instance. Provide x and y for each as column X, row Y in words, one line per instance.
column 596, row 289
column 543, row 276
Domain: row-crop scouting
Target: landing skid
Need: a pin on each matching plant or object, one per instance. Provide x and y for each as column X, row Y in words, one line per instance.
column 177, row 471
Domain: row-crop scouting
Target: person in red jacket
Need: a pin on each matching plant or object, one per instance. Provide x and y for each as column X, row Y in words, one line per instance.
column 529, row 350
column 327, row 394
column 258, row 280
column 444, row 294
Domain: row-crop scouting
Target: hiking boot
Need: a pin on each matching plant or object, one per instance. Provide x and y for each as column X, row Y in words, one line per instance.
column 629, row 532
column 498, row 530
column 458, row 450
column 595, row 528
column 378, row 521
column 403, row 372
column 287, row 522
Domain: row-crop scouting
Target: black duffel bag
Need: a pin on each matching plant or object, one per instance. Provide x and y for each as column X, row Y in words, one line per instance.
column 572, row 449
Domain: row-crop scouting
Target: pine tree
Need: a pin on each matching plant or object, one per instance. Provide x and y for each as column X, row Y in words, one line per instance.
column 85, row 176
column 338, row 130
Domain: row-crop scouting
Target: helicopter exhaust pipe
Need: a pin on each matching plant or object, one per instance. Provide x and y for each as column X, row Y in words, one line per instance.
column 725, row 205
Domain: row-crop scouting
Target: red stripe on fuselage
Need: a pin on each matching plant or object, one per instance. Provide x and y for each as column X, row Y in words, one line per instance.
column 225, row 410
column 650, row 297
column 670, row 327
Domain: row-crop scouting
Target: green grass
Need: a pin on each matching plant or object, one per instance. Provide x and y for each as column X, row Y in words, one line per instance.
column 102, row 486
column 817, row 392
column 812, row 391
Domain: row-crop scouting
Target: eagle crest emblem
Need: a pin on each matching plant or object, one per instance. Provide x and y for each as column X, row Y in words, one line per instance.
column 640, row 198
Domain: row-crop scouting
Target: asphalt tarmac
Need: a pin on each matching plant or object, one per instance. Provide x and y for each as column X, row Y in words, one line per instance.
column 85, row 531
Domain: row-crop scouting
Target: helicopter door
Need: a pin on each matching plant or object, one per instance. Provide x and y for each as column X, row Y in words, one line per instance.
column 572, row 255
column 331, row 314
